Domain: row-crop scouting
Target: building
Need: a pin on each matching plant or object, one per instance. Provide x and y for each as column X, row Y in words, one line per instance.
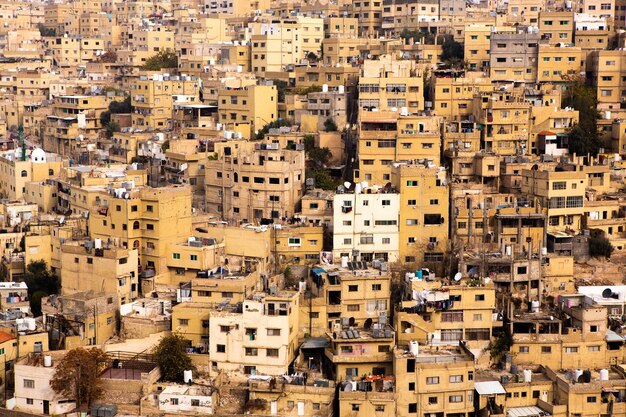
column 248, row 180
column 365, row 225
column 247, row 109
column 259, row 336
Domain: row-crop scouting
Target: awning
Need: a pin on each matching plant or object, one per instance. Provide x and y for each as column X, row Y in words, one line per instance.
column 318, row 271
column 314, row 343
column 526, row 412
column 611, row 336
column 489, row 388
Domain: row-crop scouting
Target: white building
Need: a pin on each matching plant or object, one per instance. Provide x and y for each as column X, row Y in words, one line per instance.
column 32, row 385
column 365, row 225
column 180, row 398
column 261, row 339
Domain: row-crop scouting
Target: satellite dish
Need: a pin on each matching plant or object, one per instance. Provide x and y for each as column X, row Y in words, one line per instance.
column 62, row 220
column 347, row 184
column 458, row 276
column 607, row 293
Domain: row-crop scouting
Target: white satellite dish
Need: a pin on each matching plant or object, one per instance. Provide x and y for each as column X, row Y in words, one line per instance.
column 347, row 184
column 458, row 276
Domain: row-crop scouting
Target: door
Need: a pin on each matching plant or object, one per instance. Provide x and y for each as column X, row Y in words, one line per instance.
column 46, row 407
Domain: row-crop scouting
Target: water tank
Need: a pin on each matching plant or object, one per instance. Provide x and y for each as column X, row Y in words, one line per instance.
column 187, row 376
column 211, row 61
column 239, row 68
column 607, row 115
column 604, row 374
column 324, row 88
column 98, row 243
column 568, row 5
column 344, row 261
column 228, row 134
column 47, row 361
column 544, row 251
column 534, row 306
column 587, row 376
column 404, row 111
column 508, row 250
column 31, row 323
column 274, row 407
column 414, row 348
column 528, row 375
column 577, row 374
column 302, row 286
column 340, row 89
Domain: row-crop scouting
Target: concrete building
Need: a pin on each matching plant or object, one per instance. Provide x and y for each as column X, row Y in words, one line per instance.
column 365, row 225
column 513, row 57
column 251, row 180
column 258, row 337
column 247, row 109
column 16, row 172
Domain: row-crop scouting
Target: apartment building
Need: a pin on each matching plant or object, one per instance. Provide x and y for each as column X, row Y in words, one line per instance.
column 116, row 269
column 145, row 219
column 436, row 314
column 16, row 172
column 506, row 120
column 562, row 193
column 453, row 97
column 434, row 380
column 388, row 84
column 388, row 136
column 607, row 72
column 365, row 225
column 322, row 106
column 247, row 109
column 514, row 56
column 254, row 180
column 354, row 295
column 369, row 14
column 477, row 45
column 72, row 116
column 411, row 15
column 555, row 63
column 556, row 27
column 258, row 337
column 153, row 96
column 423, row 234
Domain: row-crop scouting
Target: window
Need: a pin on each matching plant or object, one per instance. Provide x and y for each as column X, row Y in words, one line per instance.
column 432, row 219
column 149, row 226
column 571, row 349
column 592, row 399
column 183, row 322
column 433, row 400
column 353, row 307
column 376, row 287
column 412, row 408
column 294, row 241
column 455, row 379
column 455, row 398
column 559, row 185
column 29, row 383
column 224, row 329
column 252, row 352
column 271, row 353
column 221, row 348
column 29, row 401
column 176, row 256
column 273, row 332
column 595, row 348
column 524, row 349
column 478, row 316
column 479, row 297
column 379, row 408
column 412, row 202
column 546, row 349
column 353, row 288
column 195, row 403
column 411, row 183
column 432, row 380
column 355, row 407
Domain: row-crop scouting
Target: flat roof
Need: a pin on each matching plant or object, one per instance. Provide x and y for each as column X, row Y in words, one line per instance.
column 526, row 412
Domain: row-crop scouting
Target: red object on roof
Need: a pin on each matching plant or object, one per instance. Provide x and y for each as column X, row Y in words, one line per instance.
column 546, row 133
column 4, row 336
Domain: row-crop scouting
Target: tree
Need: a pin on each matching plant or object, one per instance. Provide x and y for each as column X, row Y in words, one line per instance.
column 452, row 52
column 583, row 137
column 171, row 357
column 281, row 88
column 600, row 247
column 109, row 57
column 319, row 157
column 77, row 375
column 330, row 125
column 500, row 346
column 311, row 56
column 41, row 282
column 44, row 31
column 163, row 59
column 322, row 178
column 111, row 128
column 115, row 107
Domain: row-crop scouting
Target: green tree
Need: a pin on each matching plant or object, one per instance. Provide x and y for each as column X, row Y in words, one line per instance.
column 116, row 107
column 330, row 125
column 111, row 128
column 322, row 178
column 281, row 87
column 452, row 52
column 600, row 247
column 77, row 375
column 171, row 357
column 41, row 282
column 163, row 59
column 500, row 346
column 584, row 137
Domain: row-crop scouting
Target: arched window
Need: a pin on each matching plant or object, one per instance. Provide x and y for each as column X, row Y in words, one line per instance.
column 24, row 173
column 136, row 225
column 136, row 244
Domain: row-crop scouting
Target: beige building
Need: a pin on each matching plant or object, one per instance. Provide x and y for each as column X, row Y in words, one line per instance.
column 248, row 109
column 250, row 180
column 16, row 172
